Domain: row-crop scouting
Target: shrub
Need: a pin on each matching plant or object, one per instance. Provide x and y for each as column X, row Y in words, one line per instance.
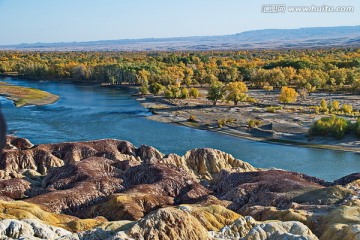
column 251, row 100
column 317, row 109
column 144, row 89
column 221, row 122
column 168, row 93
column 172, row 92
column 334, row 126
column 194, row 93
column 268, row 87
column 184, row 93
column 335, row 105
column 347, row 108
column 288, row 95
column 324, row 106
column 272, row 109
column 192, row 118
column 254, row 123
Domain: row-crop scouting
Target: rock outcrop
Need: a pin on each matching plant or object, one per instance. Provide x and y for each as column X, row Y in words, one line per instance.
column 248, row 228
column 168, row 224
column 73, row 190
column 30, row 229
column 204, row 163
column 19, row 154
column 265, row 188
column 149, row 187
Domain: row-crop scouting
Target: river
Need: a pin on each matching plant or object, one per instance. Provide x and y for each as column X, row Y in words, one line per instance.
column 86, row 112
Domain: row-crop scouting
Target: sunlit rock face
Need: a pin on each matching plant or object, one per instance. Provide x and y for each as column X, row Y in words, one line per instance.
column 114, row 190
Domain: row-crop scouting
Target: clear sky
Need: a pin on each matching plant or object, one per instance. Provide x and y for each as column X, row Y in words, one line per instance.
column 29, row 21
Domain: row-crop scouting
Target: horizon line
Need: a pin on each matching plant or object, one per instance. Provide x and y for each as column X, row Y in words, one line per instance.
column 175, row 37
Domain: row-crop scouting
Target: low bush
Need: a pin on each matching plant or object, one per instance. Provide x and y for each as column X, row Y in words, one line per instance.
column 192, row 118
column 334, row 126
column 273, row 109
column 144, row 90
column 347, row 108
column 222, row 121
column 184, row 93
column 194, row 93
column 251, row 100
column 254, row 123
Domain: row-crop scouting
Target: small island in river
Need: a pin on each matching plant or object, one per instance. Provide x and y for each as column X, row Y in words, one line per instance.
column 22, row 96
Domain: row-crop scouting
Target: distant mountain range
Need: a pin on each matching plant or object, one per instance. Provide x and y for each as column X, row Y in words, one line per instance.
column 316, row 37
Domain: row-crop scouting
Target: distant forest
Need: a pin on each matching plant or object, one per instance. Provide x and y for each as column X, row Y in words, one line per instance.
column 329, row 70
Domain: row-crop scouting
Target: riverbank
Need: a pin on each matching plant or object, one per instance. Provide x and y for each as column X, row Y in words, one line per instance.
column 285, row 125
column 288, row 125
column 22, row 96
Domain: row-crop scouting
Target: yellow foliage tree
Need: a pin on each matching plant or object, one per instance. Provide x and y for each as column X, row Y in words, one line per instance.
column 236, row 92
column 288, row 95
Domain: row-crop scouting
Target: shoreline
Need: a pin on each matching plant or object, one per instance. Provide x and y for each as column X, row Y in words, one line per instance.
column 152, row 104
column 161, row 115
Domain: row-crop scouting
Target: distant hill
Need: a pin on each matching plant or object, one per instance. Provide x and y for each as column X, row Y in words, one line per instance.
column 258, row 39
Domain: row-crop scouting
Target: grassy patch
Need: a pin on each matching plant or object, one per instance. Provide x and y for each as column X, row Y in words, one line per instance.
column 23, row 96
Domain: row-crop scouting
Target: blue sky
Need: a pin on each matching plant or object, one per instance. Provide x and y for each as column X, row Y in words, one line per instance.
column 29, row 21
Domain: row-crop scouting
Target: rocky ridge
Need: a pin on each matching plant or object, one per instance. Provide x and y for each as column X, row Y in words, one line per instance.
column 109, row 189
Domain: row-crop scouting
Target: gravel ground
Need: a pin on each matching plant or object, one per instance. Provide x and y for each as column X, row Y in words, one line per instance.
column 291, row 123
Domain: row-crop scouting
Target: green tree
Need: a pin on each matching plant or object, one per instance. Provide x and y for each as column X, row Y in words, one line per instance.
column 144, row 89
column 216, row 92
column 155, row 88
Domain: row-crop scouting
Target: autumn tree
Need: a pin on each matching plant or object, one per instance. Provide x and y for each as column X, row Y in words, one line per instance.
column 324, row 106
column 236, row 92
column 155, row 88
column 288, row 95
column 81, row 72
column 216, row 91
column 188, row 76
column 335, row 105
column 142, row 77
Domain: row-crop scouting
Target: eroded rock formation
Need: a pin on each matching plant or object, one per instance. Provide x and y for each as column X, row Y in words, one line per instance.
column 111, row 189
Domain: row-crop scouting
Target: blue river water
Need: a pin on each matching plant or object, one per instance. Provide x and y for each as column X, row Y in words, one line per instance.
column 86, row 112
